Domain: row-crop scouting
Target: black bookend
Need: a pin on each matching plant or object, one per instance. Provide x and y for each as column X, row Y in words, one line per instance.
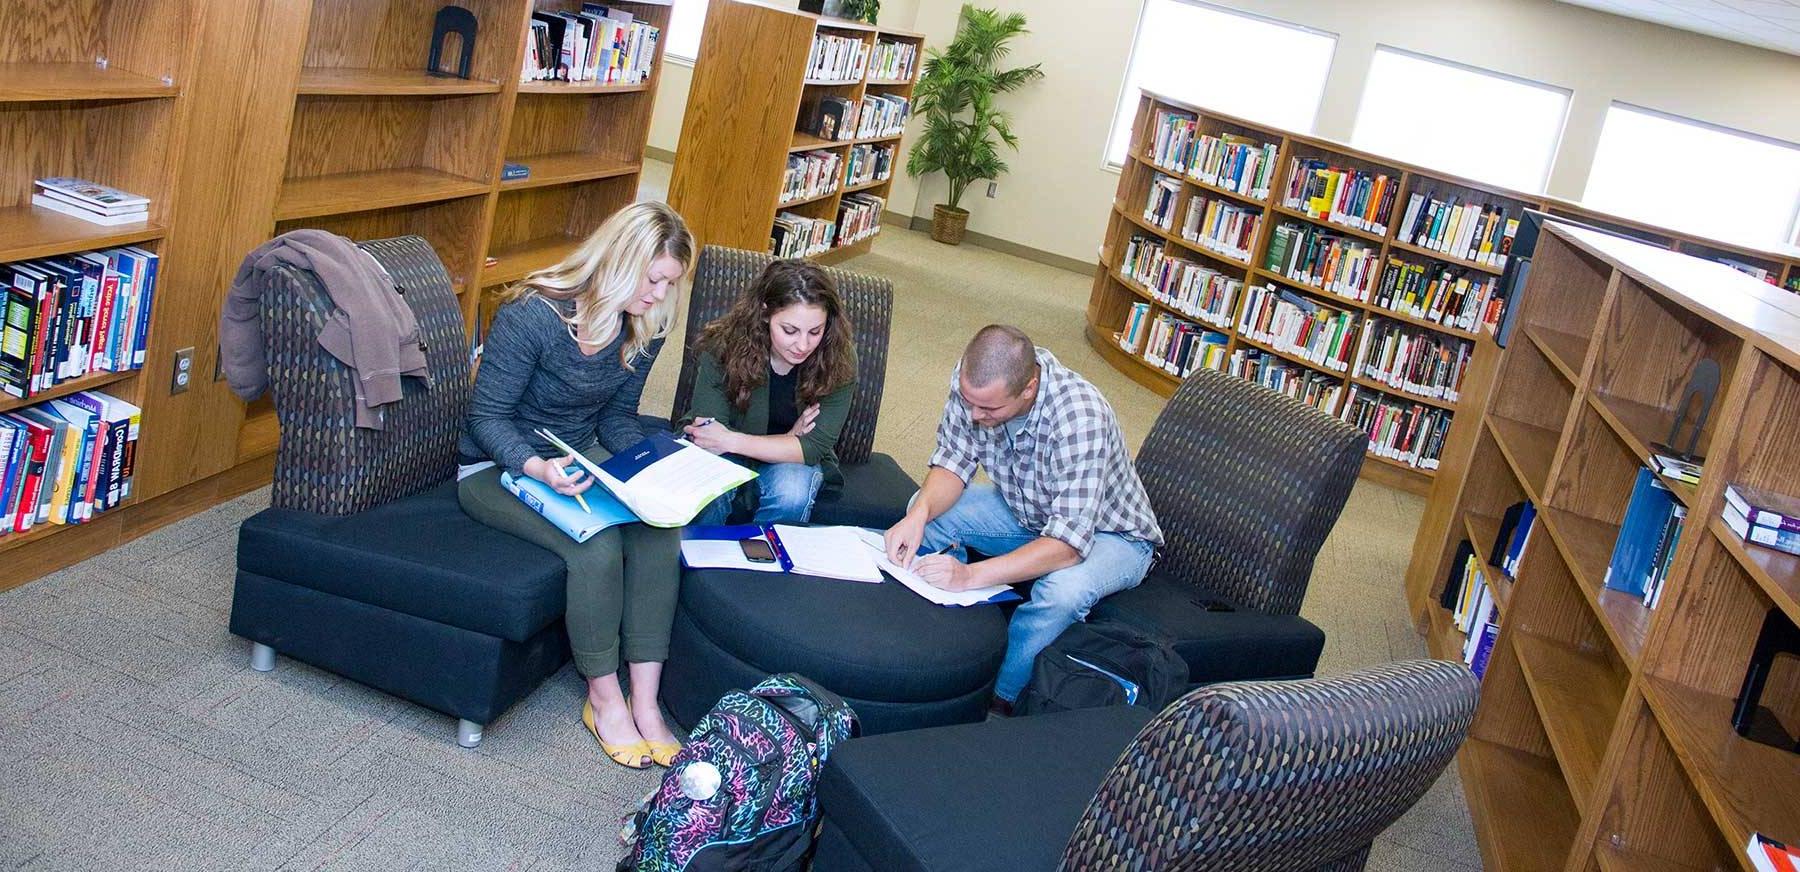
column 1778, row 636
column 460, row 21
column 1453, row 584
column 1697, row 398
column 1503, row 543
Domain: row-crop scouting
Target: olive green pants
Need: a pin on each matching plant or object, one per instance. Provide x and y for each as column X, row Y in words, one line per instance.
column 621, row 583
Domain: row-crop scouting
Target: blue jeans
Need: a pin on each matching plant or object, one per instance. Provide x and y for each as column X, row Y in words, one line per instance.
column 784, row 495
column 981, row 520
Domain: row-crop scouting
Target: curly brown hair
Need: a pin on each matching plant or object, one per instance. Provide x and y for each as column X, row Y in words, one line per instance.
column 740, row 338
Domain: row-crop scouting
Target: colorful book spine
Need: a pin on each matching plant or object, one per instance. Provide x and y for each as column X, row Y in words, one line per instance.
column 1340, row 195
column 1398, row 429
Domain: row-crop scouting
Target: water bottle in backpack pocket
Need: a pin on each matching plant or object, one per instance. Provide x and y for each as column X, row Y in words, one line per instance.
column 740, row 795
column 1102, row 663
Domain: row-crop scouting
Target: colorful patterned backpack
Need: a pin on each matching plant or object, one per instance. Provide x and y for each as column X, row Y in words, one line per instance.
column 740, row 793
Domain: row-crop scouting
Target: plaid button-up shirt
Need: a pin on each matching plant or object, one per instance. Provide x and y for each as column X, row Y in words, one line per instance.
column 1062, row 467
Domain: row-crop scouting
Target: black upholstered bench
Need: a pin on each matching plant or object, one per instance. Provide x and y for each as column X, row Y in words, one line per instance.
column 901, row 662
column 412, row 597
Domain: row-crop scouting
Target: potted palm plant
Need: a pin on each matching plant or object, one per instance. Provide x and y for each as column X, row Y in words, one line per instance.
column 963, row 131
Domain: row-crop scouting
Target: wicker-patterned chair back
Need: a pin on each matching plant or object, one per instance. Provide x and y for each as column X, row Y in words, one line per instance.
column 325, row 464
column 1277, row 775
column 724, row 273
column 1246, row 483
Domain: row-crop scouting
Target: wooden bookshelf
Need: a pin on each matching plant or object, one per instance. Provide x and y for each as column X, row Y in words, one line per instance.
column 242, row 119
column 1114, row 292
column 1629, row 707
column 728, row 171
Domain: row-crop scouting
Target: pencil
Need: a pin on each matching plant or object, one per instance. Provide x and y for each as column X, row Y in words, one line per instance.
column 583, row 501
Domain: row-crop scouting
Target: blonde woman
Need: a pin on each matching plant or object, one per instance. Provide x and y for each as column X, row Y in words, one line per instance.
column 568, row 352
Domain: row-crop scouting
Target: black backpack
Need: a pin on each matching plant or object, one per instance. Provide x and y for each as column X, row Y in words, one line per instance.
column 1102, row 663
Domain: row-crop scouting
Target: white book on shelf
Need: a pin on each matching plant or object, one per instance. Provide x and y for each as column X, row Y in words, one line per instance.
column 75, row 211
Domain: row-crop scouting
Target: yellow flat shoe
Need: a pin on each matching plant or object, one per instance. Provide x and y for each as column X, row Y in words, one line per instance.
column 629, row 756
column 663, row 753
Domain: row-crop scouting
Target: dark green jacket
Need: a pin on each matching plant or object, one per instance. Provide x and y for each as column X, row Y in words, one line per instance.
column 819, row 447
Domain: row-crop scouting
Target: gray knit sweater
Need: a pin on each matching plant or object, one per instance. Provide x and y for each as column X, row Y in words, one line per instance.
column 534, row 375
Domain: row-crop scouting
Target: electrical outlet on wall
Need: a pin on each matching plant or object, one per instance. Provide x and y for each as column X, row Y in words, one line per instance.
column 184, row 370
column 993, row 189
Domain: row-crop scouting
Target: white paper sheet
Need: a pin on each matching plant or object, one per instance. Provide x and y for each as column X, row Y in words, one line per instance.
column 874, row 541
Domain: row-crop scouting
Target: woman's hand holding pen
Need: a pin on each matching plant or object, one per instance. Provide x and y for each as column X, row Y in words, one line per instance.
column 711, row 435
column 557, row 474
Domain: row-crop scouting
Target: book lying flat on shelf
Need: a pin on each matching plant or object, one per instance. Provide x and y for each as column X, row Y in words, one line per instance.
column 1764, row 508
column 92, row 195
column 1768, row 855
column 44, row 201
column 663, row 480
column 1778, row 538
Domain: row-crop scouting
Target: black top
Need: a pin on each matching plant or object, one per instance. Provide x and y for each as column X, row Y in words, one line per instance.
column 782, row 410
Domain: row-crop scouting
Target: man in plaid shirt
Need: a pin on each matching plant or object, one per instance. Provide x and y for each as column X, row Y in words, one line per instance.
column 1065, row 507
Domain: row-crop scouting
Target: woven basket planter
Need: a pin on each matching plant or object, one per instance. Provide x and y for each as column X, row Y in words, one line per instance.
column 948, row 224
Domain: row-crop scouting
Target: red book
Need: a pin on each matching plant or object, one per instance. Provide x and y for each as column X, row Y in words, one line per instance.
column 1768, row 855
column 37, row 456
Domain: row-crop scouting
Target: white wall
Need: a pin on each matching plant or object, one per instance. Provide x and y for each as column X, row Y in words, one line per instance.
column 1057, row 195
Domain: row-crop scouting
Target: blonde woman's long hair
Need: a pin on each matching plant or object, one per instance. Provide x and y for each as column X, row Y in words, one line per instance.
column 602, row 276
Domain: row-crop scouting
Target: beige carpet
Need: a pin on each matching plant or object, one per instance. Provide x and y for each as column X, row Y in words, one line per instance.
column 133, row 735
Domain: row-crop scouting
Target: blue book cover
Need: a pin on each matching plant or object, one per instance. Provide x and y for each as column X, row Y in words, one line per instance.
column 1645, row 517
column 565, row 511
column 637, row 458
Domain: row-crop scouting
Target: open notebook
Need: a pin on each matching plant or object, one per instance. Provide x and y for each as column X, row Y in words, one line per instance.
column 663, row 480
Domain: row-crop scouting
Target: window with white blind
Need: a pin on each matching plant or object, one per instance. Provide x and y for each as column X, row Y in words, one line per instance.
column 1244, row 65
column 1696, row 177
column 684, row 30
column 1459, row 119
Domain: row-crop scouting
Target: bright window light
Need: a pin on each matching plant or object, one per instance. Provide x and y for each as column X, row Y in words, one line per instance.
column 1479, row 125
column 684, row 30
column 1243, row 65
column 1692, row 176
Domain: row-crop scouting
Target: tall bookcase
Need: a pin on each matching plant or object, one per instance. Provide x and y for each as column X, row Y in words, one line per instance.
column 93, row 89
column 1115, row 290
column 749, row 99
column 243, row 119
column 1604, row 739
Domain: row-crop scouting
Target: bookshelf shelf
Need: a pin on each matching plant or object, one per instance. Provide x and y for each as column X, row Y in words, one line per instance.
column 1401, row 393
column 1632, row 422
column 1396, row 315
column 521, row 259
column 31, row 82
column 1748, row 787
column 1528, row 448
column 1180, row 241
column 1524, row 819
column 1616, row 859
column 1334, row 298
column 1397, row 464
column 1442, row 257
column 41, row 532
column 1578, row 695
column 342, row 193
column 583, row 89
column 1332, row 226
column 565, row 167
column 1776, row 573
column 1199, row 185
column 28, row 231
column 805, row 200
column 1483, row 531
column 1288, row 356
column 345, row 81
column 730, row 168
column 1565, row 351
column 88, row 382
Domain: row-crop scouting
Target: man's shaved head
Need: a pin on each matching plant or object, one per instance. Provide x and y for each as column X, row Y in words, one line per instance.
column 1000, row 352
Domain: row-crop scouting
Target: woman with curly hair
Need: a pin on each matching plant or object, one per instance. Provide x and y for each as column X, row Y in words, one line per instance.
column 773, row 387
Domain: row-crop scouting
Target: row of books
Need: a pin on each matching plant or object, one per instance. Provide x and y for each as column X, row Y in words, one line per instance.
column 869, row 163
column 1647, row 540
column 809, row 174
column 1165, row 194
column 837, row 59
column 1316, row 256
column 1171, row 344
column 1341, row 195
column 839, row 119
column 1763, row 517
column 69, row 316
column 796, row 235
column 893, row 61
column 859, row 217
column 1471, row 231
column 1472, row 609
column 1221, row 227
column 1193, row 289
column 1294, row 324
column 90, row 201
column 1235, row 163
column 1446, row 295
column 1309, row 386
column 64, row 460
column 1398, row 429
column 597, row 44
column 1412, row 360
